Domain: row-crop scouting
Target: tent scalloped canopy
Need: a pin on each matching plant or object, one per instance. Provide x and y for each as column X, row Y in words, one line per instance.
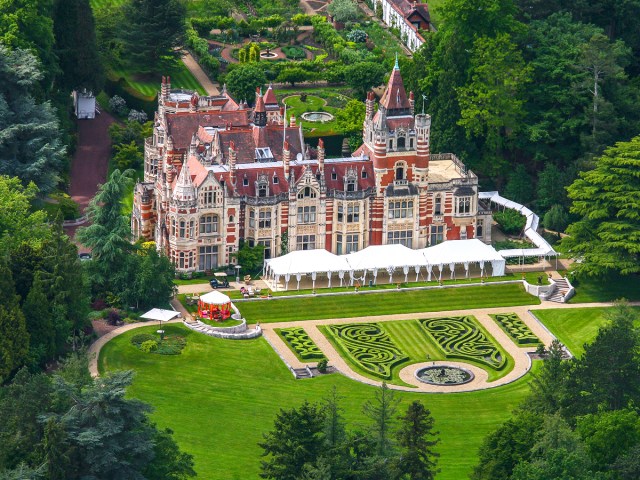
column 215, row 298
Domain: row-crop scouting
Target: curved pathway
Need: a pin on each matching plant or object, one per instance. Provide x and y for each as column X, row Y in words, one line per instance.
column 197, row 71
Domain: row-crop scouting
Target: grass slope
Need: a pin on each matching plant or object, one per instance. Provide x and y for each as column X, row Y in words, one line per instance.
column 606, row 289
column 220, row 396
column 358, row 305
column 149, row 85
column 575, row 327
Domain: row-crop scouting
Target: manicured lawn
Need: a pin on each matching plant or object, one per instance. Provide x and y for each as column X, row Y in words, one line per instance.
column 606, row 289
column 296, row 107
column 220, row 396
column 575, row 327
column 359, row 305
column 149, row 85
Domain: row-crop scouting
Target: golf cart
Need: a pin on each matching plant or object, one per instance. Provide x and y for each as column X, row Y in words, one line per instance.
column 219, row 280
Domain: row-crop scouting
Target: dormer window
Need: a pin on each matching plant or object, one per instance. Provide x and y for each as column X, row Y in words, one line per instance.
column 245, row 182
column 334, row 176
column 364, row 174
column 401, row 142
column 262, row 190
column 350, row 185
column 275, row 180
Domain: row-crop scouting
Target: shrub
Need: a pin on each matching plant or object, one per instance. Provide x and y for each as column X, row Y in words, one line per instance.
column 137, row 116
column 118, row 105
column 149, row 346
column 114, row 317
column 64, row 206
column 357, row 36
column 301, row 19
column 99, row 304
column 510, row 221
column 322, row 365
column 293, row 52
column 141, row 338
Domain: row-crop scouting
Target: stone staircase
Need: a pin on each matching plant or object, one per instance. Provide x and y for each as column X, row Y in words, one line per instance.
column 299, row 373
column 562, row 289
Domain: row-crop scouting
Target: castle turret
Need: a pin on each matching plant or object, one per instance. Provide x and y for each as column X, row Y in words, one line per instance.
column 369, row 103
column 423, row 129
column 259, row 112
column 184, row 193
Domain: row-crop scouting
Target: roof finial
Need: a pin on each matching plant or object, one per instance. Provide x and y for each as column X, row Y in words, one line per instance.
column 396, row 66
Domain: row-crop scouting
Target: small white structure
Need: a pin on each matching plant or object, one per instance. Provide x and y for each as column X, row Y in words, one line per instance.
column 160, row 315
column 84, row 104
column 390, row 259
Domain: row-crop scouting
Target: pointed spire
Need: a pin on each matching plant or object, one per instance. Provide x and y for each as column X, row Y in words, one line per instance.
column 184, row 191
column 394, row 99
column 396, row 66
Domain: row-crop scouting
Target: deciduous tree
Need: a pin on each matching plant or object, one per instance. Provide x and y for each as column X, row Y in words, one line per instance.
column 243, row 80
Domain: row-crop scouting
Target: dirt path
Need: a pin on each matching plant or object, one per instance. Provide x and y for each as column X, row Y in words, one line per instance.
column 91, row 161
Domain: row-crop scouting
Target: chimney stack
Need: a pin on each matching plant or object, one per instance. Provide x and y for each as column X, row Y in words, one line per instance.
column 412, row 103
column 321, row 155
column 164, row 90
column 282, row 119
column 232, row 162
column 286, row 158
column 369, row 105
column 292, row 122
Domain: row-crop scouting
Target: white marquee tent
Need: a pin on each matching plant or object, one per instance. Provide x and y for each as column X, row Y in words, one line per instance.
column 387, row 258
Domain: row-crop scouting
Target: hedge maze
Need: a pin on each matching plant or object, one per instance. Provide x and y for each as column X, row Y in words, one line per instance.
column 516, row 328
column 462, row 338
column 369, row 346
column 300, row 343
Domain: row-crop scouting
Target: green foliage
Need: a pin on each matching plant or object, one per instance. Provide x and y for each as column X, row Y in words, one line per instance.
column 357, row 35
column 300, row 343
column 75, row 45
column 364, row 76
column 128, row 156
column 381, row 412
column 14, row 337
column 350, row 119
column 462, row 337
column 369, row 346
column 152, row 33
column 418, row 459
column 250, row 258
column 515, row 328
column 556, row 219
column 607, row 200
column 322, row 365
column 343, row 10
column 510, row 221
column 18, row 224
column 64, row 206
column 141, row 338
column 293, row 75
column 294, row 52
column 243, row 80
column 31, row 147
column 295, row 440
column 149, row 346
column 519, row 187
column 39, row 321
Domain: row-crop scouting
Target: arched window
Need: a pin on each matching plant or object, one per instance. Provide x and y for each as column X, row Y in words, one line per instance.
column 307, row 192
column 401, row 142
column 400, row 173
column 437, row 210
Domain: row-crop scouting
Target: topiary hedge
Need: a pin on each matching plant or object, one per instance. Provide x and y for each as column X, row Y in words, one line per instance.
column 300, row 343
column 513, row 325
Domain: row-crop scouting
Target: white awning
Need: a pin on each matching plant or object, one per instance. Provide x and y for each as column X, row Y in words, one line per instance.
column 384, row 256
column 160, row 315
column 460, row 251
column 307, row 261
column 215, row 298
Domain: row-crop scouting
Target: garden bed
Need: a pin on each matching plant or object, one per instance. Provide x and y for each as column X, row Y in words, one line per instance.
column 300, row 343
column 513, row 326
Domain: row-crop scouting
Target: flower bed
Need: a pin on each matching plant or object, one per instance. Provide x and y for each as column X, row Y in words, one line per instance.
column 513, row 325
column 369, row 347
column 300, row 343
column 169, row 345
column 463, row 338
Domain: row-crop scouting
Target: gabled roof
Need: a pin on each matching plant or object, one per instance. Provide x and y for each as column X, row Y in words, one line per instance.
column 181, row 126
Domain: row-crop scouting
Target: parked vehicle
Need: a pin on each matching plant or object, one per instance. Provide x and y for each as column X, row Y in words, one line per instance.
column 219, row 281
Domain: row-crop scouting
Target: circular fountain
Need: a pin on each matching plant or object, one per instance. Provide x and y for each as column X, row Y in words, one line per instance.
column 444, row 375
column 318, row 117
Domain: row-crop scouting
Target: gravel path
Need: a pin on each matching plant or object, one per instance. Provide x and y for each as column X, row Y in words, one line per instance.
column 195, row 68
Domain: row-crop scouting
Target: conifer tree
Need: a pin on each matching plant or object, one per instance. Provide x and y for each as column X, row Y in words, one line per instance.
column 14, row 338
column 416, row 437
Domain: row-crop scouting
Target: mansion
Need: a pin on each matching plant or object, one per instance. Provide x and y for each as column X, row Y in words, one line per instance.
column 409, row 17
column 217, row 172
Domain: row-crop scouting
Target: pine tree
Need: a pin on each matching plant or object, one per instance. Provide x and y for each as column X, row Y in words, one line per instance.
column 418, row 459
column 14, row 338
column 56, row 450
column 152, row 32
column 38, row 315
column 382, row 412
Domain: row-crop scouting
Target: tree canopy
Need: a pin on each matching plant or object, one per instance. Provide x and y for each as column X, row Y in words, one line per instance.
column 607, row 199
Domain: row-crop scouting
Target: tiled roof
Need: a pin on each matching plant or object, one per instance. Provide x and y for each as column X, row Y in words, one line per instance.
column 395, row 96
column 181, row 126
